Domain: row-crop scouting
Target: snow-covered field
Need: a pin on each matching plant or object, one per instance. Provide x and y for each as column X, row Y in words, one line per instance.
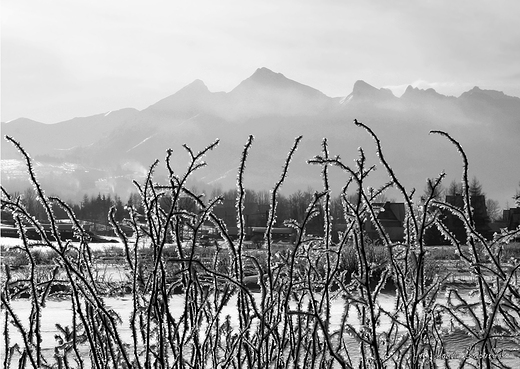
column 9, row 242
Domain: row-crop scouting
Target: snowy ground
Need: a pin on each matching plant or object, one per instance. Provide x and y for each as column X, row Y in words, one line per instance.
column 9, row 242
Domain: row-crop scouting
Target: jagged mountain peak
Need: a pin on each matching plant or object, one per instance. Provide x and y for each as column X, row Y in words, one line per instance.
column 410, row 89
column 477, row 92
column 264, row 74
column 194, row 88
column 197, row 86
column 413, row 93
column 363, row 91
column 198, row 83
column 22, row 121
column 276, row 109
column 268, row 93
column 264, row 78
column 360, row 86
column 188, row 99
column 479, row 103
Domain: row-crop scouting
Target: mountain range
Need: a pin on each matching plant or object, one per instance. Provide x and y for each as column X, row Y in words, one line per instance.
column 102, row 153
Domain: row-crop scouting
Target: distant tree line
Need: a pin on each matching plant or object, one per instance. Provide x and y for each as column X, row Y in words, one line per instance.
column 96, row 209
column 256, row 207
column 293, row 206
column 93, row 208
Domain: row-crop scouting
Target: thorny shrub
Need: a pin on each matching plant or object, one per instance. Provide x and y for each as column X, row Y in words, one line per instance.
column 288, row 323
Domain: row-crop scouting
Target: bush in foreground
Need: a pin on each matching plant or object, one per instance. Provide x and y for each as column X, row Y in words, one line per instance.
column 288, row 322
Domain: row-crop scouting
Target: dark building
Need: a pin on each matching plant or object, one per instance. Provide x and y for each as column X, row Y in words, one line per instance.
column 479, row 213
column 255, row 215
column 391, row 215
column 511, row 218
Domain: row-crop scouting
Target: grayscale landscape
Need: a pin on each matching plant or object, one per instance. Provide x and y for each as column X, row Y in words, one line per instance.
column 271, row 185
column 104, row 152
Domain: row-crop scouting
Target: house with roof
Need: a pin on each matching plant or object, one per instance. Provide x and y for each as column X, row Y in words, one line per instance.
column 479, row 212
column 511, row 218
column 255, row 215
column 391, row 216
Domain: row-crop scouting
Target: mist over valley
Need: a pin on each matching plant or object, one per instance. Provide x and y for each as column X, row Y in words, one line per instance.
column 104, row 152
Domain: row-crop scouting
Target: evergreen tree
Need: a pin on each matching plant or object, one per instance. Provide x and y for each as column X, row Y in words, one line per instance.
column 135, row 201
column 454, row 189
column 477, row 199
column 121, row 213
column 82, row 212
column 475, row 188
column 478, row 205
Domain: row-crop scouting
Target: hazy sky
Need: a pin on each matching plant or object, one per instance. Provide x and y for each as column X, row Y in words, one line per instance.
column 62, row 59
